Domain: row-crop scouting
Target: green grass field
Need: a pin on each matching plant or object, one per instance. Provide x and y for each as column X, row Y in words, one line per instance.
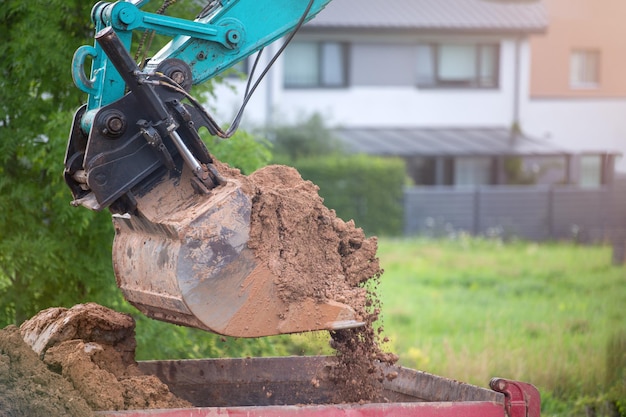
column 548, row 314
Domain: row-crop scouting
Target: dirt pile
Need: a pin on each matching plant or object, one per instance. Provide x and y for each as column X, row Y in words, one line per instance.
column 28, row 388
column 90, row 348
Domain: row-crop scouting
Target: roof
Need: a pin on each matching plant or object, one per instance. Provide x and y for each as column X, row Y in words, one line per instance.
column 456, row 15
column 405, row 142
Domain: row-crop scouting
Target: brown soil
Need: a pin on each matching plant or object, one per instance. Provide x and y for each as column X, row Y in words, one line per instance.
column 28, row 388
column 86, row 357
column 313, row 253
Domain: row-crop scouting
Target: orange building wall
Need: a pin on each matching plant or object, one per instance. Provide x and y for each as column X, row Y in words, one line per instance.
column 580, row 24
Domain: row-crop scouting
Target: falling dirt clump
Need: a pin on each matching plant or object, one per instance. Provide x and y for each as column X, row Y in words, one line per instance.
column 356, row 375
column 93, row 348
column 314, row 254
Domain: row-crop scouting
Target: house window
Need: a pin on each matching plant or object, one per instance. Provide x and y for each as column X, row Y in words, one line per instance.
column 315, row 64
column 590, row 171
column 472, row 171
column 430, row 171
column 458, row 65
column 584, row 69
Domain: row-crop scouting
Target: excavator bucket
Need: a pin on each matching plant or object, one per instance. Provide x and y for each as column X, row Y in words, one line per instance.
column 184, row 258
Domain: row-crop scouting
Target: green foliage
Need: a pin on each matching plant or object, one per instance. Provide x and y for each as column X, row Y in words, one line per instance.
column 516, row 174
column 549, row 314
column 159, row 340
column 242, row 150
column 306, row 138
column 367, row 189
column 50, row 253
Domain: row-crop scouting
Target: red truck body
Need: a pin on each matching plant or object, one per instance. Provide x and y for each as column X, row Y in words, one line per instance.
column 299, row 387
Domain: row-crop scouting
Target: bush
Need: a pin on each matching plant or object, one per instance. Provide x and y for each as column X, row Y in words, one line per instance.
column 367, row 189
column 307, row 138
column 242, row 151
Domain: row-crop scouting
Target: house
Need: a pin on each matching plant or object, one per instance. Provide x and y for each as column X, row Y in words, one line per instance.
column 577, row 84
column 454, row 88
column 426, row 67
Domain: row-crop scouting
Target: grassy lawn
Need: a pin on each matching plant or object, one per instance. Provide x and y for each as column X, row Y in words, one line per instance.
column 471, row 309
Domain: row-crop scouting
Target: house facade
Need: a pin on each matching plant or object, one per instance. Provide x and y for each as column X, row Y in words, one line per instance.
column 577, row 84
column 420, row 66
column 465, row 92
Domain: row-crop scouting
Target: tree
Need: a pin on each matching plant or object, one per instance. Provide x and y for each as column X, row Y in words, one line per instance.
column 306, row 138
column 50, row 253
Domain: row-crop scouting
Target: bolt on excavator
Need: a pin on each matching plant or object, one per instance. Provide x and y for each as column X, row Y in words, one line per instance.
column 180, row 250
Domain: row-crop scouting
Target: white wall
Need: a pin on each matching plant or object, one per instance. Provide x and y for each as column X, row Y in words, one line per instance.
column 580, row 125
column 576, row 124
column 383, row 106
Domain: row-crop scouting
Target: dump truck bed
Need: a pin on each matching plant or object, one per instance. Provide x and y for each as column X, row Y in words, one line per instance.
column 299, row 387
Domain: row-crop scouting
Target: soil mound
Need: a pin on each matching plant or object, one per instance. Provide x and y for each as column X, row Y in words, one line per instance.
column 314, row 253
column 93, row 349
column 28, row 388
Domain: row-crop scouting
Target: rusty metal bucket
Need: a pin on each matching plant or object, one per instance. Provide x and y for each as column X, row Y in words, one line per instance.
column 184, row 259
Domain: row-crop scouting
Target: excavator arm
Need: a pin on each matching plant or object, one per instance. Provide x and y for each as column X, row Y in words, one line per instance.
column 225, row 32
column 180, row 253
